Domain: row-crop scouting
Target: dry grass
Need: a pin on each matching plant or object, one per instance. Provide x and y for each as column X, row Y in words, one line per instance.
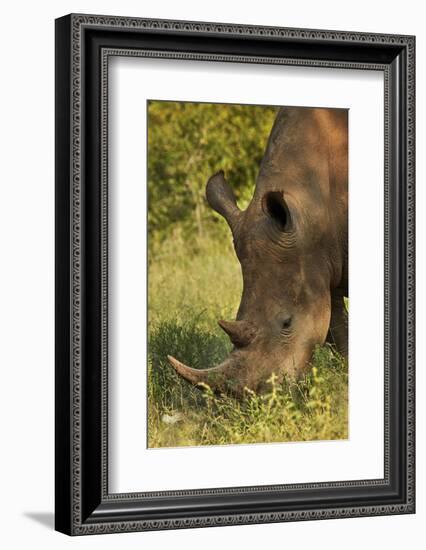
column 188, row 292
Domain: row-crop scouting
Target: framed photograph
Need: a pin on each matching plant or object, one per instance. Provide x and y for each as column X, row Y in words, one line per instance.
column 234, row 274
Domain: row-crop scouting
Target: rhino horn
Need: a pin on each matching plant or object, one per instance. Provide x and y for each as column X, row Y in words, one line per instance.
column 222, row 199
column 216, row 378
column 241, row 333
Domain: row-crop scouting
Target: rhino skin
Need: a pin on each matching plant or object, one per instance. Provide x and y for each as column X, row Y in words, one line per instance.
column 292, row 244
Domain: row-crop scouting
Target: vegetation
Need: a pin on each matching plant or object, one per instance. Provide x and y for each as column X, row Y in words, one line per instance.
column 188, row 143
column 194, row 279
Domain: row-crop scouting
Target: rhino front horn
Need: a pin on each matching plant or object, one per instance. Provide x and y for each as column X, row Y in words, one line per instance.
column 217, row 378
column 241, row 333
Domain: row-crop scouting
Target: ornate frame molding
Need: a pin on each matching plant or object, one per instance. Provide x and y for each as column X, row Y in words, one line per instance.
column 72, row 47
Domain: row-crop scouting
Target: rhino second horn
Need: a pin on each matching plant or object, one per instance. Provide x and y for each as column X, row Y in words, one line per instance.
column 241, row 333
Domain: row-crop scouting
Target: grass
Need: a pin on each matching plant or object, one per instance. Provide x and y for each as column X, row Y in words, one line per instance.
column 189, row 290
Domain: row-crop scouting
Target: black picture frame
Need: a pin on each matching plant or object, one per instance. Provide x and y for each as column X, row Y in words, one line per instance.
column 83, row 45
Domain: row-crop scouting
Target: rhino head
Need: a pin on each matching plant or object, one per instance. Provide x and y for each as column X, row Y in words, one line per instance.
column 291, row 243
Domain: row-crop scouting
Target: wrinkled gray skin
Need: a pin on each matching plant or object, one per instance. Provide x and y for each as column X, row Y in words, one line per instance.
column 292, row 244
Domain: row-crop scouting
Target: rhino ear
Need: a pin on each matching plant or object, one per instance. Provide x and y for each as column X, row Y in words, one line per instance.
column 222, row 199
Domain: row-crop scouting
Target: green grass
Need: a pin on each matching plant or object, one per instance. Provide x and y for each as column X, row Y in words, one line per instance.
column 189, row 290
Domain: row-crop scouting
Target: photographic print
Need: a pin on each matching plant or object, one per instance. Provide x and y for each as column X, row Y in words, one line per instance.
column 247, row 274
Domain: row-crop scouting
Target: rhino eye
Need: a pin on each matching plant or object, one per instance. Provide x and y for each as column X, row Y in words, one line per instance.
column 275, row 206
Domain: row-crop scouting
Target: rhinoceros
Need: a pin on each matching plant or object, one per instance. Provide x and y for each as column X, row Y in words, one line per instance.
column 292, row 244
